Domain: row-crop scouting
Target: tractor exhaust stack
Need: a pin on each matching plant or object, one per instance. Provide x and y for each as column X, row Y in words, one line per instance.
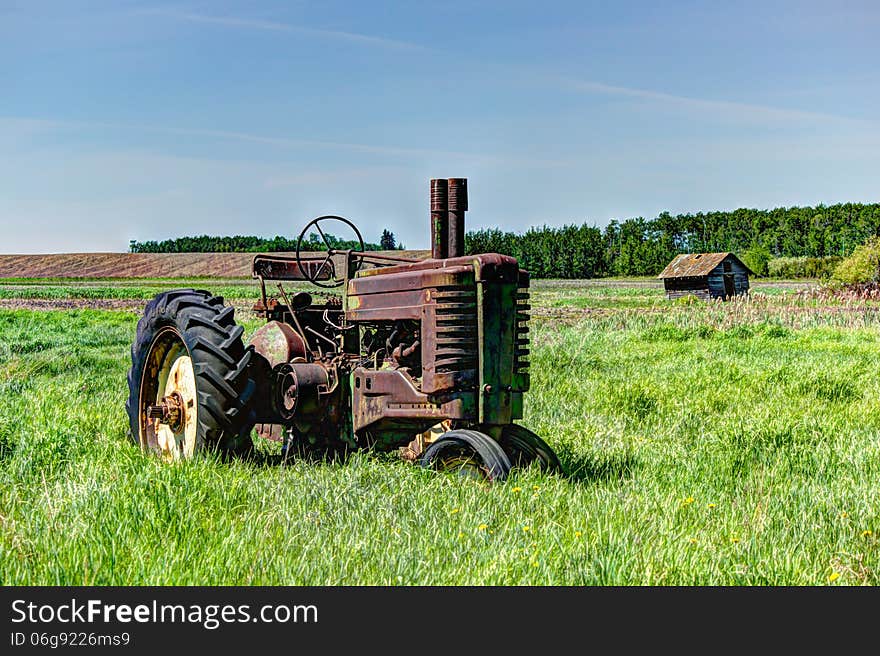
column 458, row 204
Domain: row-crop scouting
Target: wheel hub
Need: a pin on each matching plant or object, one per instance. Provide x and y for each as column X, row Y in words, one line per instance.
column 170, row 411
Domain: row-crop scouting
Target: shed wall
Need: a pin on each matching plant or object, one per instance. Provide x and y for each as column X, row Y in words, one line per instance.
column 678, row 287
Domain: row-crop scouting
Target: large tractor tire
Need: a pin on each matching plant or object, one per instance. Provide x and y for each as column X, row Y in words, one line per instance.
column 189, row 384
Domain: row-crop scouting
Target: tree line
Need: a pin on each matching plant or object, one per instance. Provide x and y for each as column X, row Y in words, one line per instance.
column 817, row 236
column 253, row 244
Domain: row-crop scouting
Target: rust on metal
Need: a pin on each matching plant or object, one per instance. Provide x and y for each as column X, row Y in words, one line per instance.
column 280, row 267
column 278, row 342
column 439, row 219
column 491, row 266
column 388, row 399
column 299, row 386
column 271, row 432
column 378, row 258
column 169, row 411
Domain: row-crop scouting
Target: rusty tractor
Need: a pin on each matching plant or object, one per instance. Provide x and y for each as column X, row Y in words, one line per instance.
column 426, row 356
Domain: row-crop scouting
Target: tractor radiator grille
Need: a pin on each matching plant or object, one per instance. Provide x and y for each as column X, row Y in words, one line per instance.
column 521, row 344
column 456, row 329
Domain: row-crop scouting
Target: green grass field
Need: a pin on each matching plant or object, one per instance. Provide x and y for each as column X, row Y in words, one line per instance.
column 707, row 444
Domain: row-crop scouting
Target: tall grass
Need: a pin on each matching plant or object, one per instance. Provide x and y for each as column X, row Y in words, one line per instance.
column 703, row 445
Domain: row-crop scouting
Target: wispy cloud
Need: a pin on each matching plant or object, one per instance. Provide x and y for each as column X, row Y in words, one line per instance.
column 725, row 108
column 312, row 178
column 278, row 26
column 399, row 151
column 405, row 152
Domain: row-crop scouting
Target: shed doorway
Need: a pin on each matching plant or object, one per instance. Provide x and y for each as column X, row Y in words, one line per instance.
column 729, row 285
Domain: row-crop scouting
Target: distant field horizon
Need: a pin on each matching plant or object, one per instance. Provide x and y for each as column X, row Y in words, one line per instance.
column 137, row 265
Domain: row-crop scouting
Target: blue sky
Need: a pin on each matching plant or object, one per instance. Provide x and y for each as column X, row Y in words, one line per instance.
column 147, row 120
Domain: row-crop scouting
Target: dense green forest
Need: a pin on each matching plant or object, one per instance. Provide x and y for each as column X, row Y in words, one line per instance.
column 810, row 238
column 784, row 242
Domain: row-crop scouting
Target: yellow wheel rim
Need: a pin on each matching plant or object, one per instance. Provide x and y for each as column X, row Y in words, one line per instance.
column 463, row 465
column 169, row 379
column 178, row 442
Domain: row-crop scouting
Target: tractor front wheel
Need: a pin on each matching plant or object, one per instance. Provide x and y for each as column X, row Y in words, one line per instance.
column 524, row 447
column 469, row 453
column 189, row 383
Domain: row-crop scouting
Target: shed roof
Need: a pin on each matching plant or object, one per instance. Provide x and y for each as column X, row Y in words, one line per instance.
column 688, row 265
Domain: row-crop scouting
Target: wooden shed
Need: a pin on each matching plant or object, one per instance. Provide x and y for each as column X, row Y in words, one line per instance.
column 706, row 275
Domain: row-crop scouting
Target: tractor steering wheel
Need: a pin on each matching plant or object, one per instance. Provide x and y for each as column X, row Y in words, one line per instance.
column 313, row 275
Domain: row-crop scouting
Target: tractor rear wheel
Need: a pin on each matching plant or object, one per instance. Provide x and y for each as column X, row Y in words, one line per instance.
column 524, row 447
column 189, row 382
column 469, row 453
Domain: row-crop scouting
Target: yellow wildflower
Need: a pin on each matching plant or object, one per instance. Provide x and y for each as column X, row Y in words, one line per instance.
column 688, row 501
column 833, row 577
column 693, row 540
column 844, row 514
column 866, row 533
column 710, row 505
column 734, row 540
column 577, row 534
column 517, row 489
column 454, row 510
column 536, row 487
column 527, row 528
column 482, row 527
